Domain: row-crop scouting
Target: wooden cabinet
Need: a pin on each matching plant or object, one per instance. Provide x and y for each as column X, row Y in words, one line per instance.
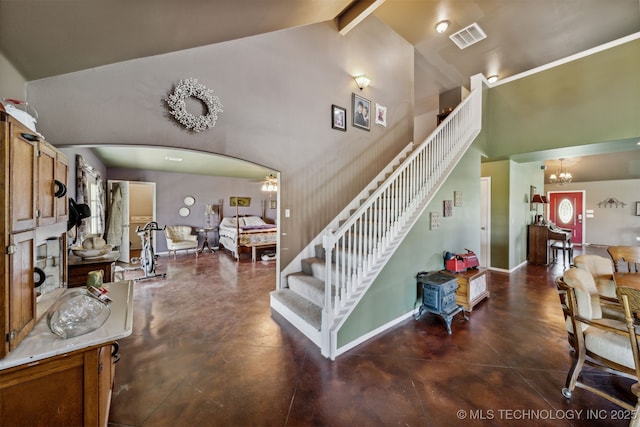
column 23, row 147
column 61, row 174
column 472, row 287
column 538, row 253
column 21, row 292
column 79, row 268
column 46, row 208
column 26, row 187
column 72, row 389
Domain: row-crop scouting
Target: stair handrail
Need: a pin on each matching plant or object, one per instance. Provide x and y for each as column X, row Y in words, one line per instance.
column 351, row 266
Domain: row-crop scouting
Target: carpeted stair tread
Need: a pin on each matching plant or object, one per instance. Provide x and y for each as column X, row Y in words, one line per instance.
column 302, row 307
column 309, row 263
column 307, row 286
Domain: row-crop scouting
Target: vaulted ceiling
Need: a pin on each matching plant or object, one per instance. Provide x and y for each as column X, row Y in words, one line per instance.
column 44, row 38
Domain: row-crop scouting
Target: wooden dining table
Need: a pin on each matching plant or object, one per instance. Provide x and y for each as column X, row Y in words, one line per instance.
column 630, row 280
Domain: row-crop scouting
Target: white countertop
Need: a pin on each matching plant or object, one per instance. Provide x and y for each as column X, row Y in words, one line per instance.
column 41, row 343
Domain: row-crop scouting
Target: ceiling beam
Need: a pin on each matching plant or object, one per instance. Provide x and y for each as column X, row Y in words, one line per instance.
column 355, row 13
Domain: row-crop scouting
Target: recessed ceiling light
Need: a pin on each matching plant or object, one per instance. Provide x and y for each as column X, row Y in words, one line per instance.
column 442, row 26
column 173, row 159
column 492, row 79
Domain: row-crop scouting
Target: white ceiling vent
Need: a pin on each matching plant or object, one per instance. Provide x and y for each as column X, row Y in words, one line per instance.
column 468, row 36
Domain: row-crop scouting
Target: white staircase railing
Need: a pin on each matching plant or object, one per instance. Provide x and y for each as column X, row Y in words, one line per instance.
column 357, row 251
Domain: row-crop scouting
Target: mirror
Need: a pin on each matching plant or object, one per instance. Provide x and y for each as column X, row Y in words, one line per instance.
column 90, row 190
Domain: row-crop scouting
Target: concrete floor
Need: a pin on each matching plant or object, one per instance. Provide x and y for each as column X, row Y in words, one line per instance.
column 207, row 351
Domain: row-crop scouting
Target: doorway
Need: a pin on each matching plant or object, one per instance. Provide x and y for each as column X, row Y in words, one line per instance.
column 485, row 222
column 566, row 211
column 132, row 204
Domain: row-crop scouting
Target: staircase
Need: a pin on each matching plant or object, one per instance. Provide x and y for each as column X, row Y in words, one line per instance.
column 338, row 267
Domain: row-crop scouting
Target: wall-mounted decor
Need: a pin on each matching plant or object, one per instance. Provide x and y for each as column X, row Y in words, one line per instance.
column 240, row 201
column 273, row 204
column 447, row 208
column 189, row 200
column 611, row 202
column 184, row 212
column 637, row 208
column 190, row 88
column 457, row 198
column 381, row 115
column 532, row 191
column 361, row 112
column 338, row 118
column 435, row 220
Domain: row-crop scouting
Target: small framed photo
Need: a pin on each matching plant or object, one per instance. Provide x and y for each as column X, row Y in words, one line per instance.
column 273, row 204
column 447, row 208
column 240, row 201
column 637, row 208
column 361, row 112
column 435, row 220
column 338, row 118
column 457, row 198
column 381, row 115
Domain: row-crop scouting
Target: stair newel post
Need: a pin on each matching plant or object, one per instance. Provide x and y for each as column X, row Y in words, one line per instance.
column 328, row 242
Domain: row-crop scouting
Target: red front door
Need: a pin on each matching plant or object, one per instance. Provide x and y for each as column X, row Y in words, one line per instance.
column 565, row 210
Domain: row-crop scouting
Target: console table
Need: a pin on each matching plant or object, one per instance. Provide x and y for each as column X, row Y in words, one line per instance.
column 439, row 296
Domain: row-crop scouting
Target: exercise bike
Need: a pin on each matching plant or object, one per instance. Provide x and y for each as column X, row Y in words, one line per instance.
column 147, row 256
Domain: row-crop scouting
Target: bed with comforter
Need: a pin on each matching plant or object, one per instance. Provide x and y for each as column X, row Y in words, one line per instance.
column 248, row 232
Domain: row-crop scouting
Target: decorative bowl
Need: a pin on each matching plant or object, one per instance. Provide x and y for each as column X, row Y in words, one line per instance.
column 91, row 253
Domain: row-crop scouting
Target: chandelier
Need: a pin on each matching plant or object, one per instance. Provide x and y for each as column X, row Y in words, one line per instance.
column 561, row 177
column 270, row 184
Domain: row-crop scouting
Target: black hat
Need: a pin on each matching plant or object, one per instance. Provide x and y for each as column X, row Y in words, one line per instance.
column 77, row 212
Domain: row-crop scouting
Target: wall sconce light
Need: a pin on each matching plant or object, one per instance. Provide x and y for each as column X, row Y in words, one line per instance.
column 442, row 26
column 362, row 81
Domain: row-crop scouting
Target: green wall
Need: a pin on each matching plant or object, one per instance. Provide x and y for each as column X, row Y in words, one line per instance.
column 394, row 293
column 510, row 209
column 591, row 100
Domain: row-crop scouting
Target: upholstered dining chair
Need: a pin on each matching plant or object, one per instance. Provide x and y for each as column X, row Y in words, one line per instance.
column 601, row 269
column 627, row 254
column 179, row 237
column 602, row 343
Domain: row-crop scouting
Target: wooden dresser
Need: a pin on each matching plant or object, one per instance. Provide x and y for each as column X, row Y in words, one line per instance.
column 79, row 268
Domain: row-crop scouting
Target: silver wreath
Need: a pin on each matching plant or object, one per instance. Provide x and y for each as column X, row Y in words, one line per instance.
column 178, row 108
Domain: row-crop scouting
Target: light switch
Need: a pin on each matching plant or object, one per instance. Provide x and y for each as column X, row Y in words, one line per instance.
column 287, row 213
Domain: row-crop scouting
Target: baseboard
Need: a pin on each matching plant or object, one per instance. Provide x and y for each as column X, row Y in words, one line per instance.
column 374, row 333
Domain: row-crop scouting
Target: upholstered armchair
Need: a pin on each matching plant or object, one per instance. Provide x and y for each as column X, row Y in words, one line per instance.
column 179, row 237
column 606, row 344
column 601, row 269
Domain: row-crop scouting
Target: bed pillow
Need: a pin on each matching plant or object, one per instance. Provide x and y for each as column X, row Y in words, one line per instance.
column 252, row 221
column 228, row 222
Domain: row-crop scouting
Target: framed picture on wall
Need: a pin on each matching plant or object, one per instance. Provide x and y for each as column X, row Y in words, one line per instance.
column 338, row 118
column 240, row 201
column 361, row 112
column 381, row 115
column 637, row 208
column 447, row 208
